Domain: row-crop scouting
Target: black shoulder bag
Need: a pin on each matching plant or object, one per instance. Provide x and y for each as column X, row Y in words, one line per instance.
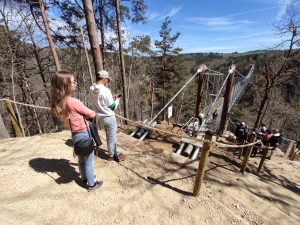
column 84, row 146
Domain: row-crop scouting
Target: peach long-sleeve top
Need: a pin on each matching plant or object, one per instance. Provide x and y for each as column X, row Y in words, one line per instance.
column 78, row 111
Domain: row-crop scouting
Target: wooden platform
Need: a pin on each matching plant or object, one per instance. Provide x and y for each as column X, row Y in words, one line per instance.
column 193, row 142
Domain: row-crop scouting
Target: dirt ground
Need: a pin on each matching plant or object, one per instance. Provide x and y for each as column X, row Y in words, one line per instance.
column 41, row 185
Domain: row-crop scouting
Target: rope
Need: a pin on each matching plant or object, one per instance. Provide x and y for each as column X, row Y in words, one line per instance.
column 239, row 73
column 152, row 128
column 174, row 134
column 234, row 146
column 34, row 106
column 214, row 71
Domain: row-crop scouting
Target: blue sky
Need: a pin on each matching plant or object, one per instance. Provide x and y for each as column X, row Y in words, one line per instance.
column 214, row 25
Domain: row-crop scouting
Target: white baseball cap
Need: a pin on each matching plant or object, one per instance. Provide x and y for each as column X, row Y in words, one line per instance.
column 103, row 74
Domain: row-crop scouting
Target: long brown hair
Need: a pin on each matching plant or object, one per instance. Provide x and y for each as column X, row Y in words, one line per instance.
column 60, row 90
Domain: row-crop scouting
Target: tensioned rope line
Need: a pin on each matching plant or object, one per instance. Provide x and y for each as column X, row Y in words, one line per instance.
column 239, row 73
column 214, row 71
column 20, row 103
column 174, row 134
column 152, row 128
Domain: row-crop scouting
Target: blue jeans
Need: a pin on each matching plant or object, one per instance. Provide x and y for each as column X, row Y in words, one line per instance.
column 110, row 126
column 85, row 164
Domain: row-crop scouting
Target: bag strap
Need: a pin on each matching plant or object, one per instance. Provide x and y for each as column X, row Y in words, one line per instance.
column 85, row 124
column 71, row 135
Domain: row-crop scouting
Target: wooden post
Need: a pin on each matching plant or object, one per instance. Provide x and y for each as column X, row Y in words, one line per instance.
column 248, row 153
column 263, row 158
column 293, row 156
column 292, row 151
column 200, row 90
column 13, row 118
column 286, row 155
column 202, row 163
column 226, row 125
column 241, row 150
column 227, row 96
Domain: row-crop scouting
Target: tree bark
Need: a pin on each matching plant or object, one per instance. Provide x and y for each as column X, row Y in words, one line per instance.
column 92, row 33
column 87, row 55
column 125, row 99
column 34, row 110
column 152, row 99
column 55, row 57
column 102, row 34
column 164, row 62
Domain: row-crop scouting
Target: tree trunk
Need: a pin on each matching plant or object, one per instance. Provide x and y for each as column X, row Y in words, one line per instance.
column 264, row 113
column 180, row 109
column 14, row 97
column 55, row 57
column 164, row 86
column 129, row 73
column 152, row 99
column 265, row 98
column 87, row 55
column 102, row 34
column 41, row 72
column 261, row 108
column 92, row 33
column 34, row 110
column 125, row 99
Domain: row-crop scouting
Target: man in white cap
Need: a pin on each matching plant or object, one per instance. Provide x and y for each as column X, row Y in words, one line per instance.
column 104, row 105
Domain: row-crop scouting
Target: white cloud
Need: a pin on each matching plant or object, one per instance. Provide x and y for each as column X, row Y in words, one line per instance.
column 160, row 16
column 173, row 12
column 219, row 21
column 252, row 11
column 242, row 36
column 152, row 15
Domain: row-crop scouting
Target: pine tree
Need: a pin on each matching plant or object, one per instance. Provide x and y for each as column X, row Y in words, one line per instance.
column 167, row 53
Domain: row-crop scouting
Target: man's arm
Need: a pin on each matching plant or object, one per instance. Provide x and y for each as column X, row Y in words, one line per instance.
column 114, row 105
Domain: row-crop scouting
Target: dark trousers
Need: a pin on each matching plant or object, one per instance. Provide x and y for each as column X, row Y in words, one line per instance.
column 94, row 131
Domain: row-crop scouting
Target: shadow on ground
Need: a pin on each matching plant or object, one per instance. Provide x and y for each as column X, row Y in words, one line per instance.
column 62, row 167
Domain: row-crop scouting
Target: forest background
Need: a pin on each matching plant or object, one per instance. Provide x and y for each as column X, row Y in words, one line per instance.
column 148, row 77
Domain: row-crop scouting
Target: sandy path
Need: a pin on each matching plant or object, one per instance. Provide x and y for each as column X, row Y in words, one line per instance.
column 41, row 185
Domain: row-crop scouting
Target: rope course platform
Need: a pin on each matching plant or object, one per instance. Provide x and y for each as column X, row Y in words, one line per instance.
column 192, row 149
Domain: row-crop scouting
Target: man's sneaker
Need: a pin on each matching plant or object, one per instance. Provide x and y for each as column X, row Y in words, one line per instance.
column 268, row 157
column 96, row 185
column 84, row 182
column 120, row 157
column 110, row 159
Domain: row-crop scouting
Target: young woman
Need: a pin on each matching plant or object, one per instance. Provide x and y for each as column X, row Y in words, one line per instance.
column 74, row 114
